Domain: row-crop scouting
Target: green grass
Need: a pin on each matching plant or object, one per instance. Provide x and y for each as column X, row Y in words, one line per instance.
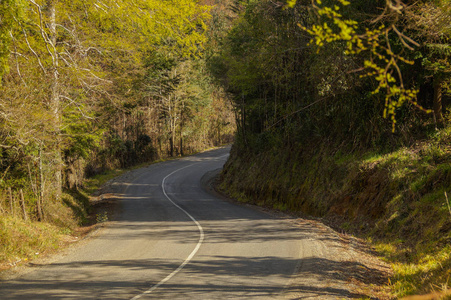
column 414, row 233
column 22, row 240
column 92, row 184
column 394, row 199
column 423, row 272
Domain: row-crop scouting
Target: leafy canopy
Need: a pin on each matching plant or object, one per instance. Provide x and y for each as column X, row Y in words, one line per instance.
column 381, row 62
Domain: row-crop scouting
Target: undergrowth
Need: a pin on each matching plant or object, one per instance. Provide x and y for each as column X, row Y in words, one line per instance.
column 414, row 232
column 23, row 240
column 397, row 199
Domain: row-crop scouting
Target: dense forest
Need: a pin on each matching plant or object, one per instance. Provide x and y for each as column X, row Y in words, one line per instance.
column 338, row 109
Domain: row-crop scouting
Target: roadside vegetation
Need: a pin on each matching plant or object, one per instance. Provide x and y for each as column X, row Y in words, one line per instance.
column 343, row 113
column 396, row 200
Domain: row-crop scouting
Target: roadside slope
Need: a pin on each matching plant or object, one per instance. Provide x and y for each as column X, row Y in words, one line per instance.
column 395, row 200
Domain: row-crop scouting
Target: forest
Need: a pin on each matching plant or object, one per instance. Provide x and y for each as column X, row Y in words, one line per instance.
column 336, row 109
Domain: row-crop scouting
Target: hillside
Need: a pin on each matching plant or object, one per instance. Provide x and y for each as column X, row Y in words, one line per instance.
column 395, row 200
column 343, row 114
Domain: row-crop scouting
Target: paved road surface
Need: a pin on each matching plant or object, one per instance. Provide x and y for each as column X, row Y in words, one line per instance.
column 173, row 240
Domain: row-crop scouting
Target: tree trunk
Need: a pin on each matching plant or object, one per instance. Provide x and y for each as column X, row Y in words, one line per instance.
column 181, row 129
column 171, row 143
column 438, row 109
column 181, row 146
column 219, row 134
column 243, row 120
column 24, row 209
column 2, row 204
column 55, row 99
column 11, row 201
column 173, row 122
column 41, row 189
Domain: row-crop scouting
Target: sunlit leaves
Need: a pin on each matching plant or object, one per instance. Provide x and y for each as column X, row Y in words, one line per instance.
column 382, row 64
column 10, row 11
column 61, row 78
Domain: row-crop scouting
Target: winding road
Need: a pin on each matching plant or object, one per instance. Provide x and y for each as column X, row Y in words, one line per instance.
column 174, row 240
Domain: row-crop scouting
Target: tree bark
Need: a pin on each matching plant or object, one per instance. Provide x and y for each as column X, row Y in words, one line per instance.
column 438, row 108
column 243, row 120
column 11, row 201
column 181, row 141
column 181, row 129
column 24, row 209
column 173, row 124
column 55, row 99
column 172, row 142
column 41, row 189
column 2, row 203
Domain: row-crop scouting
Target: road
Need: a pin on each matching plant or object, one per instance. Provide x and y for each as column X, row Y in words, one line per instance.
column 174, row 240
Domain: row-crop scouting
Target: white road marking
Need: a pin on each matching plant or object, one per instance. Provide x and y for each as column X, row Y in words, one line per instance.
column 188, row 259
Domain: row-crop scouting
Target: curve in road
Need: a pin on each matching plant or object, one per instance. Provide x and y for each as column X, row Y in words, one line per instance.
column 174, row 240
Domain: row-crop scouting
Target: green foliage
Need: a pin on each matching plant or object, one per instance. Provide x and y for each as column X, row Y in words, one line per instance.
column 383, row 61
column 308, row 109
column 10, row 10
column 339, row 90
column 76, row 100
column 282, row 87
column 81, row 135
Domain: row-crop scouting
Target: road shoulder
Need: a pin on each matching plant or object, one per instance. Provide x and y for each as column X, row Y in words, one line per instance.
column 341, row 265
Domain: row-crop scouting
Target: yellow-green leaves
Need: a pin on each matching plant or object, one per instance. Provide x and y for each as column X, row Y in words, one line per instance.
column 181, row 26
column 382, row 64
column 291, row 3
column 10, row 10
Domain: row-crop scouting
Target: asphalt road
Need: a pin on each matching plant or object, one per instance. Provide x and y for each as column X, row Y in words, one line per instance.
column 174, row 240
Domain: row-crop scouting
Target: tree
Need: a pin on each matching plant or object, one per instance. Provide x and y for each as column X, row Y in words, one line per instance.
column 428, row 23
column 378, row 43
column 10, row 10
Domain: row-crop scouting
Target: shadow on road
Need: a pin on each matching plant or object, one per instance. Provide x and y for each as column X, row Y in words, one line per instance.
column 227, row 276
column 147, row 218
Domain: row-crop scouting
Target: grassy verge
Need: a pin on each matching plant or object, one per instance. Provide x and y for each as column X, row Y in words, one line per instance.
column 66, row 221
column 21, row 241
column 395, row 200
column 414, row 231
